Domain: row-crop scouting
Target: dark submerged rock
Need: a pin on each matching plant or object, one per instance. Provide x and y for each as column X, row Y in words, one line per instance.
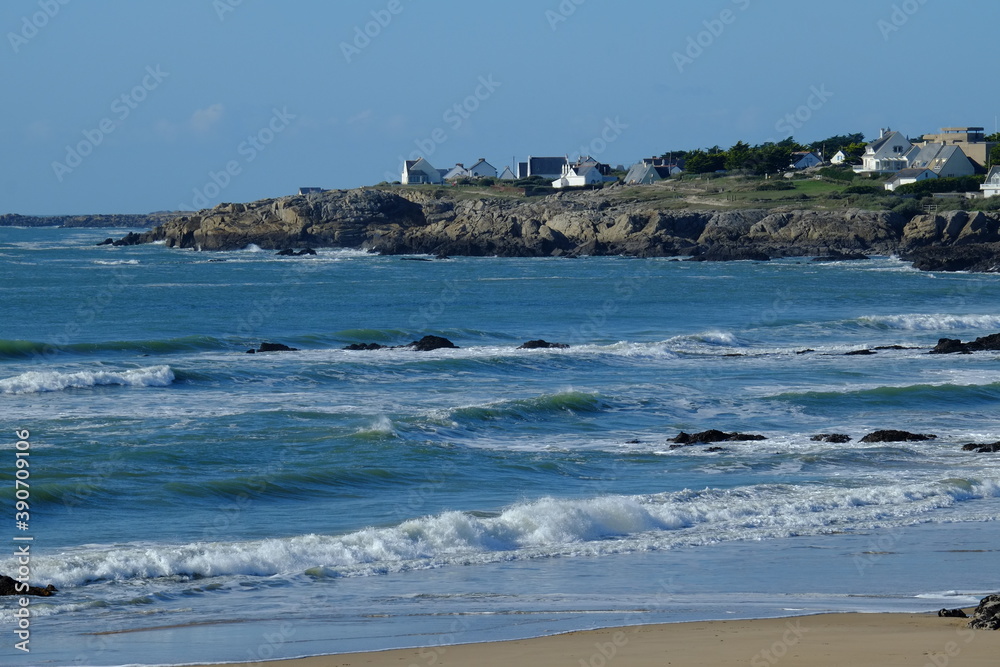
column 890, row 435
column 838, row 438
column 9, row 586
column 713, row 435
column 275, row 347
column 853, row 353
column 982, row 449
column 950, row 346
column 428, row 343
column 365, row 346
column 107, row 241
column 841, row 257
column 987, row 614
column 541, row 344
column 285, row 252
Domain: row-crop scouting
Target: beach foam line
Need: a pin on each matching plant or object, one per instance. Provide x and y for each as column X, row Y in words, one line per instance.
column 43, row 381
column 543, row 528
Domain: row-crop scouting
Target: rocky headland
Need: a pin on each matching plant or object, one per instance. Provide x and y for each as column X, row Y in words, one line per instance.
column 112, row 220
column 435, row 222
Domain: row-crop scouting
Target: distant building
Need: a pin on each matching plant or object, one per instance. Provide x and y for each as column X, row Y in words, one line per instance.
column 944, row 160
column 991, row 188
column 507, row 175
column 546, row 167
column 643, row 174
column 483, row 169
column 309, row 191
column 805, row 159
column 886, row 154
column 585, row 171
column 456, row 172
column 840, row 157
column 971, row 140
column 907, row 176
column 420, row 171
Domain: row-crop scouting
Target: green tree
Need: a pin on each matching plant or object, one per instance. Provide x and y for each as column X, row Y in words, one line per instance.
column 995, row 156
column 838, row 142
column 739, row 156
column 705, row 162
column 994, row 137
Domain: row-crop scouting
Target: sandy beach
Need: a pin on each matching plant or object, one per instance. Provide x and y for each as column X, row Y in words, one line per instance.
column 833, row 640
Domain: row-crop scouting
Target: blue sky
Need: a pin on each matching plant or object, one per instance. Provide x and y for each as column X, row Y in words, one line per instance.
column 131, row 106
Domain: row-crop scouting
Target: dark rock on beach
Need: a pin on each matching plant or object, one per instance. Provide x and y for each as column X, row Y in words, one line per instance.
column 890, row 435
column 982, row 449
column 9, row 586
column 713, row 435
column 837, row 438
column 952, row 613
column 541, row 344
column 273, row 347
column 987, row 614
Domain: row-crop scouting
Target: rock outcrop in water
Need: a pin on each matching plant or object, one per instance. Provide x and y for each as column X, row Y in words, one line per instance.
column 891, row 435
column 10, row 586
column 435, row 222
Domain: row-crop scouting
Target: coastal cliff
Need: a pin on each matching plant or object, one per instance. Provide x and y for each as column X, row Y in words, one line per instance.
column 573, row 223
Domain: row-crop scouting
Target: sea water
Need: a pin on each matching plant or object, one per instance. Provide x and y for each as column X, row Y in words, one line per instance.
column 193, row 502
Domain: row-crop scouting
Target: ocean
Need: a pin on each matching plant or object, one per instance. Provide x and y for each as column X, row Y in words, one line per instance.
column 195, row 503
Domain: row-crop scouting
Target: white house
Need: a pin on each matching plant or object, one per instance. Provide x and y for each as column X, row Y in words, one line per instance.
column 482, row 169
column 907, row 176
column 840, row 157
column 944, row 160
column 991, row 188
column 507, row 175
column 420, row 171
column 805, row 159
column 886, row 155
column 586, row 171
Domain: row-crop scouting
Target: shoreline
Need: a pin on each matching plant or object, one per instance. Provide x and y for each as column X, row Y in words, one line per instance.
column 833, row 639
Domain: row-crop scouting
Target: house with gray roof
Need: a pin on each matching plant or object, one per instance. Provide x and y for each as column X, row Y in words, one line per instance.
column 420, row 171
column 991, row 188
column 886, row 154
column 944, row 160
column 507, row 175
column 546, row 167
column 907, row 176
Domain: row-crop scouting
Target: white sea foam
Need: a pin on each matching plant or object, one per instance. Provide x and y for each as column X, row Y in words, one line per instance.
column 41, row 381
column 542, row 528
column 932, row 322
column 116, row 262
